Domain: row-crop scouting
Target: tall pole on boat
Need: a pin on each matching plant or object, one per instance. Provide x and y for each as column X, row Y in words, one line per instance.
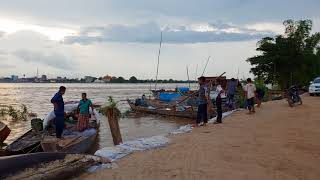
column 205, row 67
column 188, row 77
column 155, row 87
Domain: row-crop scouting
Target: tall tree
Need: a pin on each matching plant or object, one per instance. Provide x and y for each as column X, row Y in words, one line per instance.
column 292, row 58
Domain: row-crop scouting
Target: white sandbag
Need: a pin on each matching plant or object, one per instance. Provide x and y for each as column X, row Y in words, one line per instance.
column 112, row 153
column 182, row 129
column 86, row 133
column 117, row 152
column 70, row 107
column 145, row 143
column 225, row 114
column 67, row 108
column 48, row 118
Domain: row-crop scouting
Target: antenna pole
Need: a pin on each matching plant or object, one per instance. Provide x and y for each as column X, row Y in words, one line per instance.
column 155, row 87
column 205, row 66
column 188, row 77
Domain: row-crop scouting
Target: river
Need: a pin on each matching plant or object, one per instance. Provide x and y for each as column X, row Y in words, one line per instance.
column 37, row 99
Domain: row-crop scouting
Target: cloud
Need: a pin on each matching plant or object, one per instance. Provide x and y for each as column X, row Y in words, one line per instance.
column 54, row 59
column 3, row 52
column 150, row 32
column 6, row 66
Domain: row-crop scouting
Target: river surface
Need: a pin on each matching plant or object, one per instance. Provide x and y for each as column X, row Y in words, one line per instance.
column 37, row 99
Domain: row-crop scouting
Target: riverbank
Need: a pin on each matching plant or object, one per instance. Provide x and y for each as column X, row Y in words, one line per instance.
column 277, row 142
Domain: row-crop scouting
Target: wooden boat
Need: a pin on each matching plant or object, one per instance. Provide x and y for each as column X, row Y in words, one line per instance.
column 4, row 132
column 27, row 143
column 33, row 141
column 189, row 113
column 46, row 165
column 74, row 143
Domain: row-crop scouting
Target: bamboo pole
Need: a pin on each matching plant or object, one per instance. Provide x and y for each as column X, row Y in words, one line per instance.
column 113, row 120
column 155, row 86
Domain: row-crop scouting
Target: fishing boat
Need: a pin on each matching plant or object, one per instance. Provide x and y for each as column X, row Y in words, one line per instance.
column 4, row 132
column 74, row 142
column 39, row 140
column 188, row 112
column 46, row 165
column 29, row 142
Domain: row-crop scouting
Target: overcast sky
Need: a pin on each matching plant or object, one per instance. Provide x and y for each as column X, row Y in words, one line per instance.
column 74, row 38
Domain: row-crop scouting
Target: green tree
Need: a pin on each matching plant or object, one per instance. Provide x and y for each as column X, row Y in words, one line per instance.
column 133, row 79
column 292, row 58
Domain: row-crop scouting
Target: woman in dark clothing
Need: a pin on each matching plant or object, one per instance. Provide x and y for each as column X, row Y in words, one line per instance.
column 259, row 95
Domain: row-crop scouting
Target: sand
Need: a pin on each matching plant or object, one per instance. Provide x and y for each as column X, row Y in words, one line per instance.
column 278, row 142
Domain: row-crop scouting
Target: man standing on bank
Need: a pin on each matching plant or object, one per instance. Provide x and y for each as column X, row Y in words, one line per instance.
column 219, row 90
column 250, row 94
column 202, row 114
column 58, row 105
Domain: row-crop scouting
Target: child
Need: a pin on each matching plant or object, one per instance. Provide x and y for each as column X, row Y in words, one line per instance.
column 84, row 113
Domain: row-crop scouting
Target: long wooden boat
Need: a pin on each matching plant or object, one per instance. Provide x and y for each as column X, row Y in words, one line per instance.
column 46, row 165
column 4, row 132
column 190, row 113
column 74, row 143
column 33, row 141
column 69, row 144
column 27, row 143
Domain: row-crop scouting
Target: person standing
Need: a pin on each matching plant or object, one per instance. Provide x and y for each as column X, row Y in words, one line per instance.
column 202, row 114
column 231, row 91
column 259, row 95
column 84, row 112
column 219, row 102
column 58, row 104
column 250, row 92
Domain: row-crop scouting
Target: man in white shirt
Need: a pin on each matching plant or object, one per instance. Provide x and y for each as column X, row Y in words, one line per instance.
column 250, row 93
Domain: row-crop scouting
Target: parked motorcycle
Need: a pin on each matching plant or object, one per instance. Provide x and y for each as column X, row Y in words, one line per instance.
column 293, row 96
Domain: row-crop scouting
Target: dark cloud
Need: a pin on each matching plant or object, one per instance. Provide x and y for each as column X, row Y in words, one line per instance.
column 150, row 32
column 93, row 11
column 55, row 60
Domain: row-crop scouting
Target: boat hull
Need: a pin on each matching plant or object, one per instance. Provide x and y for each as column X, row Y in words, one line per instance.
column 182, row 114
column 80, row 145
column 4, row 132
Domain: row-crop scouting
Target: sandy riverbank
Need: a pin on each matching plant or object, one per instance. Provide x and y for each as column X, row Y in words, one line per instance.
column 277, row 142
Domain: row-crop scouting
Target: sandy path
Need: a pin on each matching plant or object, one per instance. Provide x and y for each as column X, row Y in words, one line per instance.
column 277, row 142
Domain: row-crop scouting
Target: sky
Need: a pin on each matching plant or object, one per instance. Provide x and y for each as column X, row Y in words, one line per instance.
column 75, row 38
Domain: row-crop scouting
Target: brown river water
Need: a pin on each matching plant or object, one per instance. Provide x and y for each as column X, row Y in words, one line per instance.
column 37, row 99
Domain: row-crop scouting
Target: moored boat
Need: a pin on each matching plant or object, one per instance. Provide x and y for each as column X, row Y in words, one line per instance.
column 4, row 132
column 41, row 139
column 27, row 143
column 74, row 142
column 190, row 112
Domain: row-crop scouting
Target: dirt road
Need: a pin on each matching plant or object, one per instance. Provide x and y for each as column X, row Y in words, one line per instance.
column 278, row 142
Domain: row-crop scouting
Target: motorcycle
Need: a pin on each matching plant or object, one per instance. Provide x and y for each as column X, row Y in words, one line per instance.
column 293, row 96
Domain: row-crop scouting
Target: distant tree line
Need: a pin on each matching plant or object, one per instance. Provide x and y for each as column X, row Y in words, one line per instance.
column 288, row 59
column 133, row 79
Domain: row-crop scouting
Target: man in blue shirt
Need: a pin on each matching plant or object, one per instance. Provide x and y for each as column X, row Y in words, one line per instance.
column 58, row 104
column 202, row 114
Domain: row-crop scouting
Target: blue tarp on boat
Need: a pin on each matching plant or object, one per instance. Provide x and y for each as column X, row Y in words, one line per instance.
column 167, row 97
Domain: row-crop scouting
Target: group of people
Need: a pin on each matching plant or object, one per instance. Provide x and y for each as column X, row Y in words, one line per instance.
column 83, row 108
column 251, row 94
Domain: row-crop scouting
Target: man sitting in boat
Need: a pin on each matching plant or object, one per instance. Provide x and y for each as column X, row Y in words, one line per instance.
column 84, row 113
